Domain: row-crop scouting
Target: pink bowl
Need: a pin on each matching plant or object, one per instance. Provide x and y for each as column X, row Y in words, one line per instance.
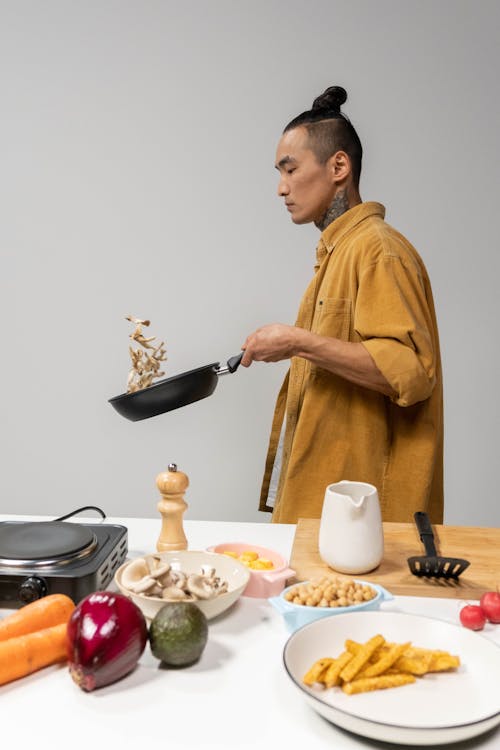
column 262, row 583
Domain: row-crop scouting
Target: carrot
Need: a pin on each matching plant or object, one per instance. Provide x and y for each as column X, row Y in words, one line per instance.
column 27, row 653
column 46, row 612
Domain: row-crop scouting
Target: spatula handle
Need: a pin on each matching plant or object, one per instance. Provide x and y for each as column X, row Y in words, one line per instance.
column 426, row 534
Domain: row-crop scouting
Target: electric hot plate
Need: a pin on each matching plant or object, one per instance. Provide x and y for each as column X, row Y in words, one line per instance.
column 52, row 557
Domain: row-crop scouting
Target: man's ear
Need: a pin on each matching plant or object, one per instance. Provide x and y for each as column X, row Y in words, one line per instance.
column 340, row 166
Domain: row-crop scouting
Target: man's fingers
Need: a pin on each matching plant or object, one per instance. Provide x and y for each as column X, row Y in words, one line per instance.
column 246, row 360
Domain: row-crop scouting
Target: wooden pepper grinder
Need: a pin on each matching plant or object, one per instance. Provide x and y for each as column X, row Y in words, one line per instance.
column 172, row 485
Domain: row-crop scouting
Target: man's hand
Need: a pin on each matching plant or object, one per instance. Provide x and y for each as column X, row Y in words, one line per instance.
column 271, row 343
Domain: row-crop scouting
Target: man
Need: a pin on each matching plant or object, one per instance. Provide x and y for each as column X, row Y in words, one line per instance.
column 362, row 399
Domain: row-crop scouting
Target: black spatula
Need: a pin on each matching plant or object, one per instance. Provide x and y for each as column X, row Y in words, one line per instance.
column 433, row 565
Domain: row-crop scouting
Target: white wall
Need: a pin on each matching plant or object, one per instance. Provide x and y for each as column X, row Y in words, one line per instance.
column 137, row 176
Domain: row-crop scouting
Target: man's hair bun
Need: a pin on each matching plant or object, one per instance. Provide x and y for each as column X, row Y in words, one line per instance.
column 330, row 100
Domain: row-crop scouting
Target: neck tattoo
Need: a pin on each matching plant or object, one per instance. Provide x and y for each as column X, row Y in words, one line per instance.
column 339, row 206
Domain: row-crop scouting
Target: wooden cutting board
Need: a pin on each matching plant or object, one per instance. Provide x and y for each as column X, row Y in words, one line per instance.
column 481, row 546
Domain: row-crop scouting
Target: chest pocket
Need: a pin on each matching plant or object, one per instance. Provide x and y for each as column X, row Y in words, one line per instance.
column 332, row 317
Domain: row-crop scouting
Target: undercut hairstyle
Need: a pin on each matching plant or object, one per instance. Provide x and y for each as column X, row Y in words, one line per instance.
column 329, row 130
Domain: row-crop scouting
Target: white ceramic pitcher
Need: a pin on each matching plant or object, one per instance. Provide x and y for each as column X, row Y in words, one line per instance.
column 351, row 537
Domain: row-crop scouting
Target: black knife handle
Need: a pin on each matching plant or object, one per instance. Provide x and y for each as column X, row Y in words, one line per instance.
column 426, row 534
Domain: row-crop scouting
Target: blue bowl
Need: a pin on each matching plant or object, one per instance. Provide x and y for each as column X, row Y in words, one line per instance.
column 297, row 615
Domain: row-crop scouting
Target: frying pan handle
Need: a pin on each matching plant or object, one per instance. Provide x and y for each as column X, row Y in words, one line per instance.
column 232, row 364
column 426, row 534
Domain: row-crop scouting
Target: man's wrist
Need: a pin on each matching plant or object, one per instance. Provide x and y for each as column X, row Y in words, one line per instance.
column 303, row 343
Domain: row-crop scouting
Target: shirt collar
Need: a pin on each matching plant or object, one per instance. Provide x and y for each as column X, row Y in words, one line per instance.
column 344, row 224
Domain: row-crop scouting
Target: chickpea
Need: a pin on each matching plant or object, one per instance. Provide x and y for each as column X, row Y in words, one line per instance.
column 316, row 597
column 330, row 592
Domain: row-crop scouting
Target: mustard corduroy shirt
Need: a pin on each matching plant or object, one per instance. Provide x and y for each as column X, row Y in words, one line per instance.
column 370, row 286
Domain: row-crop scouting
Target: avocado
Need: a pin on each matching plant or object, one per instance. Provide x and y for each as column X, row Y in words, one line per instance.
column 178, row 633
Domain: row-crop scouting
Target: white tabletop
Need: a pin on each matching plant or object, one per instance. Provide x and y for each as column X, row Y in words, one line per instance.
column 237, row 696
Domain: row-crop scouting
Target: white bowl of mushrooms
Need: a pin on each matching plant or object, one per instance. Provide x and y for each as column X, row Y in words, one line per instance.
column 211, row 581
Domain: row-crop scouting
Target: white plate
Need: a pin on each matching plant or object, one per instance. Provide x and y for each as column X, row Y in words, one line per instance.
column 438, row 708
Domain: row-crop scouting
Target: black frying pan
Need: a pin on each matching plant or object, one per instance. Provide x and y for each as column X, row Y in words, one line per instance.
column 174, row 392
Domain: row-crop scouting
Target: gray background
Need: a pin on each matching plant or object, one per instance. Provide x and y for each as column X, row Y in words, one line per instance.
column 136, row 177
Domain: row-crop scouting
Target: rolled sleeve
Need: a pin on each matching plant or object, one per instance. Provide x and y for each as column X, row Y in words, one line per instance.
column 394, row 320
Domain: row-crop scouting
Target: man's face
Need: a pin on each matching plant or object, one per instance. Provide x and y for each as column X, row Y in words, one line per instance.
column 306, row 185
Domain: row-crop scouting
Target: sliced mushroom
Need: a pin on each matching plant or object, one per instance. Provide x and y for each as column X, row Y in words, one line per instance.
column 152, row 561
column 160, row 571
column 208, row 571
column 152, row 576
column 178, row 578
column 166, row 580
column 200, row 586
column 134, row 572
column 221, row 587
column 173, row 592
column 143, row 586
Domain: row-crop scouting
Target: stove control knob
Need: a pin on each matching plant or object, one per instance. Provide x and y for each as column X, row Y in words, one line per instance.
column 31, row 589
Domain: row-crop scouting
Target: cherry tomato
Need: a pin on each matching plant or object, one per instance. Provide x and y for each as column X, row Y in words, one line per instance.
column 473, row 617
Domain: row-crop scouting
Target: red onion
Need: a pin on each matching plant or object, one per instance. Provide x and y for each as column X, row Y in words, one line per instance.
column 107, row 634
